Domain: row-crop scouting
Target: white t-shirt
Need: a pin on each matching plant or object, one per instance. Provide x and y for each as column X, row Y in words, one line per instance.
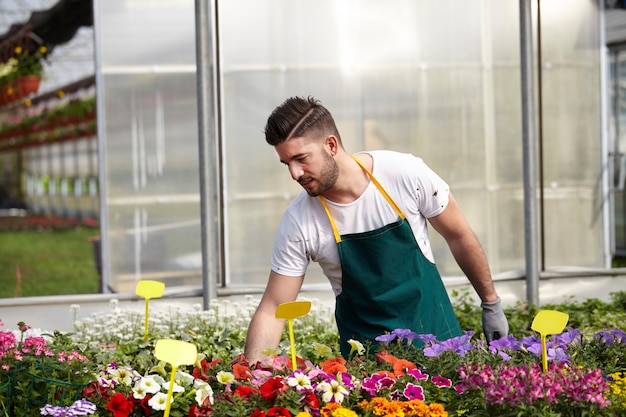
column 304, row 233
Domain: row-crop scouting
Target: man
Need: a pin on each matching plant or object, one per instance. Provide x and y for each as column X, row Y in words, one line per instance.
column 363, row 218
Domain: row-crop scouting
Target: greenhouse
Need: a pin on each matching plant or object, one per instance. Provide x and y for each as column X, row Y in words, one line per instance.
column 168, row 154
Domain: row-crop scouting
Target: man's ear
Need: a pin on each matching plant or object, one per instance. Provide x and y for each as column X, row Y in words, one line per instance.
column 332, row 144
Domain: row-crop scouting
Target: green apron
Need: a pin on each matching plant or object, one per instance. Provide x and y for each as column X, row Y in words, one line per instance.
column 388, row 284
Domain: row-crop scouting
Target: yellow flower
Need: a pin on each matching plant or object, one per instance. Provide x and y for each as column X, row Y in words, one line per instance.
column 18, row 50
column 303, row 414
column 321, row 350
column 343, row 412
column 356, row 346
column 224, row 377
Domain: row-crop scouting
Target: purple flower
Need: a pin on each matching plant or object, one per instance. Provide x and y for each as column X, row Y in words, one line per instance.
column 386, row 338
column 79, row 408
column 427, row 339
column 406, row 334
column 568, row 337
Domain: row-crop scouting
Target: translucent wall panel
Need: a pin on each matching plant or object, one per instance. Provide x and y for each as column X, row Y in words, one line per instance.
column 437, row 79
column 151, row 142
column 571, row 126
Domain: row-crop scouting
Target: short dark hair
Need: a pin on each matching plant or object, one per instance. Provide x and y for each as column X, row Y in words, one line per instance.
column 297, row 116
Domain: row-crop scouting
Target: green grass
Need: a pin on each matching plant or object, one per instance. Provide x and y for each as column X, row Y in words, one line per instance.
column 56, row 262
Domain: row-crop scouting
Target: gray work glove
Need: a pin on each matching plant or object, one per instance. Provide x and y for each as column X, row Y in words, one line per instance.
column 495, row 324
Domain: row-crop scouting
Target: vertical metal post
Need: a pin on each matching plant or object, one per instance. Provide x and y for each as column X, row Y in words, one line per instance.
column 208, row 146
column 101, row 154
column 529, row 154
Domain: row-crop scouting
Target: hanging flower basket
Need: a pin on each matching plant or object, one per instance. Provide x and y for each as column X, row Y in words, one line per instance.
column 29, row 84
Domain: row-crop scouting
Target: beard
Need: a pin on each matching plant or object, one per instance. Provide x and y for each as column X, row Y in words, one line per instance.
column 326, row 179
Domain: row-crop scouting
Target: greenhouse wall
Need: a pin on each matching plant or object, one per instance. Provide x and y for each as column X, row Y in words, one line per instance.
column 438, row 79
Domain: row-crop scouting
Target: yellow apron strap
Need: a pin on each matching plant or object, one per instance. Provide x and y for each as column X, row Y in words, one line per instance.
column 380, row 188
column 332, row 221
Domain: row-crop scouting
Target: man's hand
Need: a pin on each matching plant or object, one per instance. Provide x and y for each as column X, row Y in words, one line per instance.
column 495, row 324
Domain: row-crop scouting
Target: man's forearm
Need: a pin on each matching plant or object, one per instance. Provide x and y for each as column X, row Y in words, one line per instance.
column 264, row 332
column 472, row 260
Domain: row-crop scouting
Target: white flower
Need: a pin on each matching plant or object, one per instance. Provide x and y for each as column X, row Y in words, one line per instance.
column 332, row 391
column 184, row 378
column 147, row 384
column 203, row 390
column 123, row 375
column 157, row 402
column 300, row 381
column 176, row 388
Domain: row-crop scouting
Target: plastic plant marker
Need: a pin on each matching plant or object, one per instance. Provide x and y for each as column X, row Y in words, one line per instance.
column 148, row 289
column 548, row 322
column 176, row 353
column 290, row 311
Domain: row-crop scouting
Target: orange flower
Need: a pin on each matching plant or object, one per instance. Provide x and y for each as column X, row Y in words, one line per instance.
column 328, row 409
column 334, row 366
column 241, row 371
column 383, row 356
column 437, row 410
column 400, row 365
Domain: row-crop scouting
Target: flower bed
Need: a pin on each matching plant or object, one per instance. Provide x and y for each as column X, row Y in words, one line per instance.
column 459, row 377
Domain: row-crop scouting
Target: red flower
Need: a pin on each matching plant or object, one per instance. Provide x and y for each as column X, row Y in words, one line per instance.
column 194, row 411
column 201, row 372
column 310, row 402
column 258, row 413
column 245, row 391
column 240, row 360
column 147, row 409
column 119, row 405
column 271, row 388
column 278, row 412
column 95, row 389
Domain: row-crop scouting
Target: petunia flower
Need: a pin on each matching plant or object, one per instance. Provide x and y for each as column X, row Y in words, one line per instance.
column 413, row 392
column 356, row 346
column 119, row 405
column 300, row 381
column 332, row 391
column 271, row 388
column 159, row 400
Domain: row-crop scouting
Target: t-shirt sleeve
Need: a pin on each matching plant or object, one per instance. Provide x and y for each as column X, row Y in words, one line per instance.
column 289, row 255
column 432, row 191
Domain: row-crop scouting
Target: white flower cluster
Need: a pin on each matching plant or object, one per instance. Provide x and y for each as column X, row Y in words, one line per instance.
column 154, row 385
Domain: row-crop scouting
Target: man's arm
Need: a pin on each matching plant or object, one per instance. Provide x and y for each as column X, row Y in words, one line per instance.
column 466, row 249
column 464, row 245
column 265, row 330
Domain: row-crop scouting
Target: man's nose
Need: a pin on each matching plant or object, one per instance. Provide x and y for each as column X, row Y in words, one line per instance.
column 296, row 171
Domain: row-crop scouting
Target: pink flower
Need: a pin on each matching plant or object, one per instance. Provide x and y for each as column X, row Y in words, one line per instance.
column 413, row 392
column 442, row 382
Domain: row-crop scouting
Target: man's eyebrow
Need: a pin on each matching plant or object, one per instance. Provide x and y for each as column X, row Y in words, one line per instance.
column 296, row 156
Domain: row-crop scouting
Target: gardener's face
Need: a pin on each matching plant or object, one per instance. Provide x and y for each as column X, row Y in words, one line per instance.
column 310, row 163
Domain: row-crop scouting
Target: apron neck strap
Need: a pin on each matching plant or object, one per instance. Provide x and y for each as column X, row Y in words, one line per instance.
column 378, row 186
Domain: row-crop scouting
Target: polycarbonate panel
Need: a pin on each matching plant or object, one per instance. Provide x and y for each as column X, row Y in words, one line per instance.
column 437, row 79
column 151, row 142
column 572, row 165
